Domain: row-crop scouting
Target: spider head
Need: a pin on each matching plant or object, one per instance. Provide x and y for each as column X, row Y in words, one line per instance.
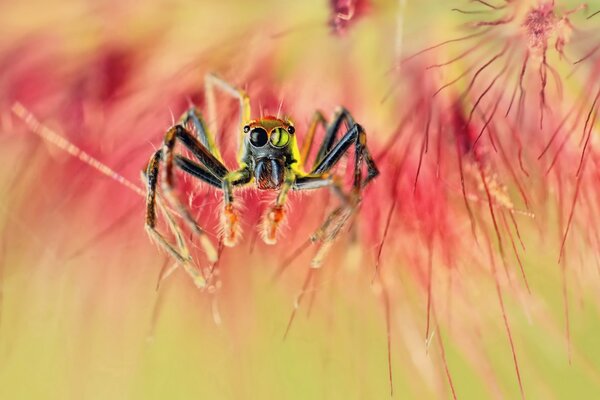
column 270, row 145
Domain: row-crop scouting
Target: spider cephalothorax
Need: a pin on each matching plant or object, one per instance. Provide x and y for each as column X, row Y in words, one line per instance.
column 270, row 148
column 270, row 157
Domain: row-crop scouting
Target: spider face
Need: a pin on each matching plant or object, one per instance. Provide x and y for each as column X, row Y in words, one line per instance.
column 269, row 150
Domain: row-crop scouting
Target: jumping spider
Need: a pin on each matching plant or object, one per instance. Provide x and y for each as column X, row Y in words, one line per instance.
column 270, row 158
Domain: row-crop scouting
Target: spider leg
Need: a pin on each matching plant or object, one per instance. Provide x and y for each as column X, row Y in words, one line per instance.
column 328, row 232
column 211, row 82
column 213, row 173
column 309, row 182
column 335, row 220
column 372, row 170
column 197, row 171
column 193, row 117
column 229, row 219
column 179, row 252
column 354, row 136
column 341, row 115
column 321, row 177
column 213, row 166
column 307, row 142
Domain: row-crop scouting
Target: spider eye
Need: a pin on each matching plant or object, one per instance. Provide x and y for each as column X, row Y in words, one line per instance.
column 279, row 137
column 258, row 137
column 246, row 129
column 291, row 130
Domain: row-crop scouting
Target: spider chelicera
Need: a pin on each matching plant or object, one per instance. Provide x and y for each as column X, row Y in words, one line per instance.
column 270, row 158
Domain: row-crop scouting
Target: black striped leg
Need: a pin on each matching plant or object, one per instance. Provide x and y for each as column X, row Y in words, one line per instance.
column 331, row 131
column 213, row 167
column 210, row 171
column 179, row 251
column 309, row 182
column 341, row 115
column 354, row 136
column 320, row 177
column 372, row 170
column 197, row 171
column 193, row 118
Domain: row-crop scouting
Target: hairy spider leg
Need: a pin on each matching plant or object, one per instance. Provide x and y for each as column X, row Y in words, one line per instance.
column 230, row 224
column 342, row 115
column 211, row 82
column 180, row 252
column 320, row 177
column 213, row 165
column 317, row 119
column 193, row 117
column 211, row 171
column 335, row 221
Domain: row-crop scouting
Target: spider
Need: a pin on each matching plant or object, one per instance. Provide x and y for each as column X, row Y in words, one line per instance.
column 269, row 158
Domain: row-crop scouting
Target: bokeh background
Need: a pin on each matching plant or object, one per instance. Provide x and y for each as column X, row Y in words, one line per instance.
column 447, row 284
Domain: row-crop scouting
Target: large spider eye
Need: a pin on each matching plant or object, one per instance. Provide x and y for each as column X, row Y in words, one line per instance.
column 279, row 137
column 258, row 137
